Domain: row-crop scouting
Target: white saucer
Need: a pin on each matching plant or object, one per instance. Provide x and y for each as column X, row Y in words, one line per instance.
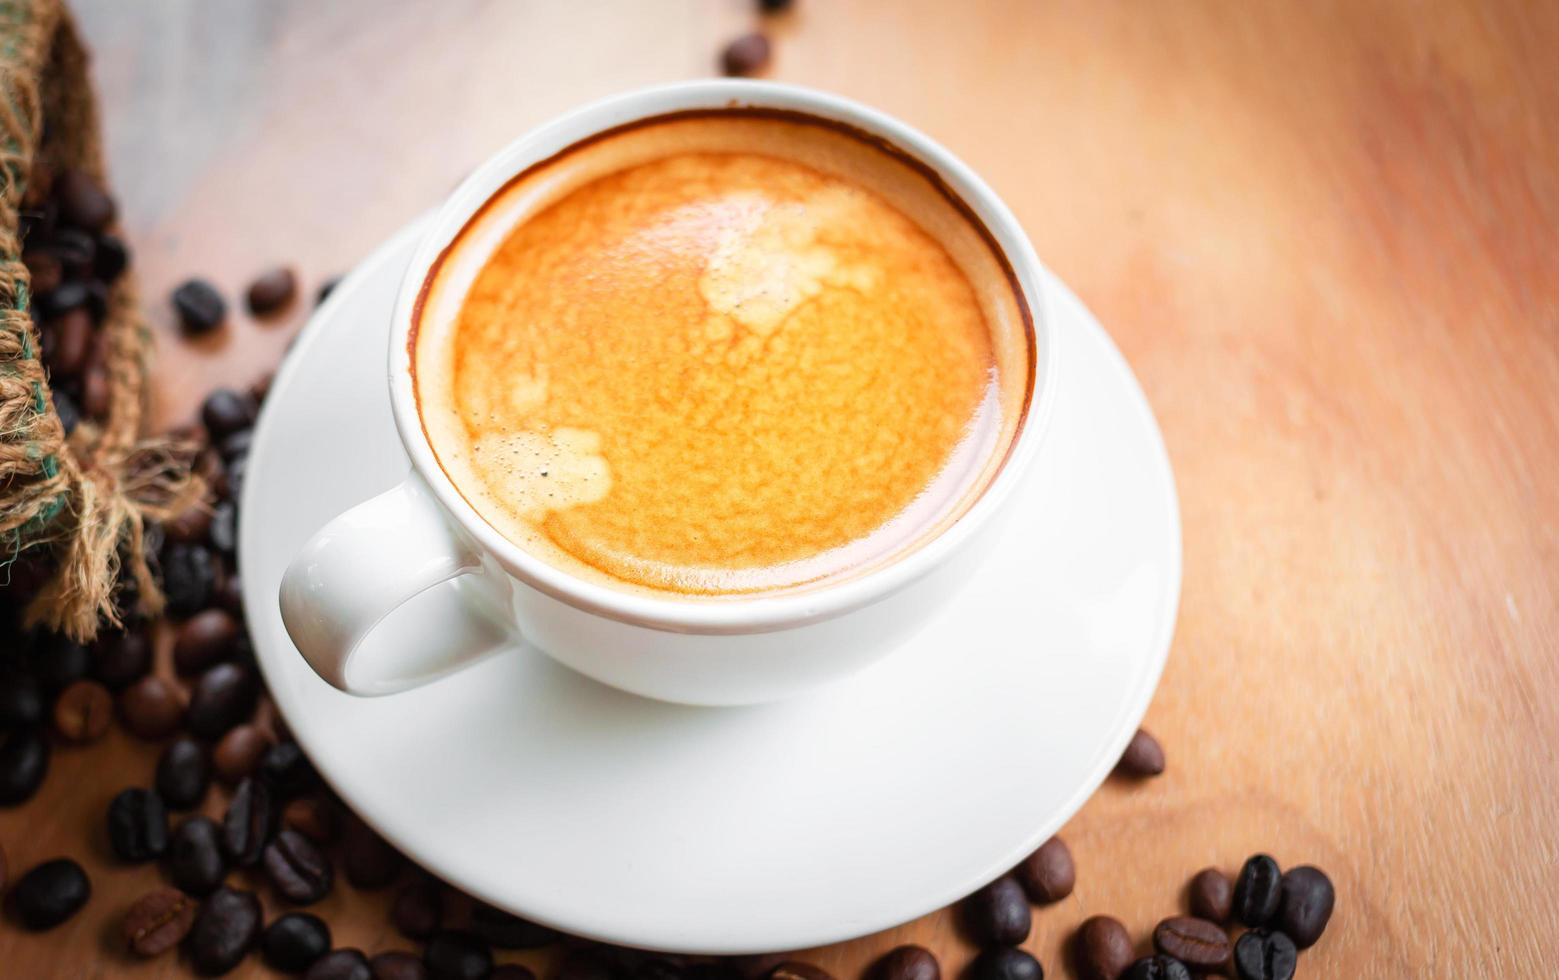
column 736, row 830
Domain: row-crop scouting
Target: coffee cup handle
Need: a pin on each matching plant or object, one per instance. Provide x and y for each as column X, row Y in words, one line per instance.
column 362, row 566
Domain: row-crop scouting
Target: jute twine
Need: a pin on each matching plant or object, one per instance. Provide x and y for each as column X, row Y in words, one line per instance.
column 81, row 502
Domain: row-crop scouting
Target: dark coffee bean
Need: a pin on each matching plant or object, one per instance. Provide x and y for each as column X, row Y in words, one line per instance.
column 998, row 914
column 370, row 862
column 196, row 862
column 59, row 663
column 507, row 931
column 111, row 258
column 189, row 574
column 190, row 526
column 223, row 697
column 797, row 970
column 65, row 408
column 24, row 761
column 774, row 6
column 223, row 532
column 340, row 964
column 45, row 270
column 159, row 921
column 72, row 343
column 514, row 971
column 288, row 770
column 1257, row 891
column 76, row 251
column 38, row 222
column 230, row 598
column 152, row 707
column 237, row 444
column 1102, row 949
column 1048, row 875
column 137, row 825
column 312, row 817
column 272, row 290
column 298, row 870
column 97, row 303
column 183, row 774
column 1005, row 963
column 122, row 657
column 1262, row 954
column 207, row 637
column 293, row 942
column 225, row 929
column 398, row 966
column 200, row 307
column 226, row 411
column 250, row 822
column 593, row 964
column 418, row 910
column 1192, row 941
column 239, row 751
column 1157, row 968
column 1143, row 756
column 50, row 893
column 908, row 963
column 457, row 956
column 326, row 288
column 1212, row 895
column 746, row 55
column 652, row 969
column 716, row 970
column 4, row 871
column 1306, row 905
column 83, row 201
column 21, row 700
column 236, row 469
column 71, row 294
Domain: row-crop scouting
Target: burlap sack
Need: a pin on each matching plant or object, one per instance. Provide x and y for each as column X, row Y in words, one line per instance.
column 75, row 506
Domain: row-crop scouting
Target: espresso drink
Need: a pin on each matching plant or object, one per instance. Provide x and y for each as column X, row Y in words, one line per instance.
column 722, row 353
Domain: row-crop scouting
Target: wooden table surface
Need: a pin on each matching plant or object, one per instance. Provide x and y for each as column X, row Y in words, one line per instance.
column 1325, row 236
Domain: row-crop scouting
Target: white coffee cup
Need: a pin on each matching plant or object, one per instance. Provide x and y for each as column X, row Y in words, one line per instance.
column 383, row 552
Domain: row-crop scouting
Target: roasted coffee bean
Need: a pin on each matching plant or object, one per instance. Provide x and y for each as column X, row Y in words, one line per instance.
column 121, row 658
column 60, row 663
column 288, row 770
column 4, row 871
column 272, row 290
column 418, row 910
column 1048, row 874
column 111, row 258
column 137, row 825
column 1194, row 942
column 159, row 921
column 453, row 955
column 223, row 532
column 1102, row 949
column 1262, row 954
column 907, row 963
column 1005, row 963
column 76, row 250
column 21, row 700
column 514, row 971
column 83, row 201
column 223, row 697
column 24, row 761
column 250, row 822
column 312, row 817
column 293, row 942
column 225, row 412
column 1212, row 895
column 239, row 751
column 97, row 304
column 65, row 408
column 236, row 469
column 183, row 774
column 797, row 970
column 196, row 862
column 225, row 929
column 230, row 598
column 1257, row 891
column 1306, row 905
column 591, row 964
column 746, row 55
column 340, row 964
column 152, row 707
column 298, row 870
column 1143, row 756
column 369, row 861
column 72, row 343
column 189, row 577
column 45, row 270
column 398, row 966
column 50, row 893
column 206, row 638
column 507, row 931
column 200, row 307
column 998, row 914
column 1157, row 968
column 190, row 526
column 652, row 969
column 71, row 294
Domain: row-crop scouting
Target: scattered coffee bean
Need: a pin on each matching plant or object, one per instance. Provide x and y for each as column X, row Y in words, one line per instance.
column 369, row 861
column 121, row 658
column 340, row 964
column 1212, row 895
column 293, row 942
column 273, row 290
column 590, row 964
column 1262, row 954
column 21, row 701
column 250, row 822
column 206, row 638
column 298, row 871
column 514, row 971
column 908, row 963
column 288, row 770
column 225, row 412
column 1005, row 963
column 453, row 955
column 1157, row 968
column 24, row 761
column 196, row 863
column 159, row 921
column 1194, row 942
column 83, row 712
column 183, row 774
column 1143, row 756
column 200, row 307
column 239, row 751
column 72, row 343
column 45, row 269
column 998, row 914
column 1102, row 949
column 50, row 893
column 746, row 55
column 190, row 526
column 137, row 825
column 83, row 201
column 1048, row 874
column 110, row 259
column 223, row 532
column 225, row 929
column 230, row 597
column 797, row 970
column 398, row 966
column 1257, row 891
column 660, row 969
column 189, row 575
column 1306, row 904
column 69, row 295
column 60, row 664
column 418, row 910
column 506, row 931
column 223, row 697
column 312, row 817
column 152, row 707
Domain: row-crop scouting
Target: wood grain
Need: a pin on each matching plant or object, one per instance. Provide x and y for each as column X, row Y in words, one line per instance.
column 1324, row 234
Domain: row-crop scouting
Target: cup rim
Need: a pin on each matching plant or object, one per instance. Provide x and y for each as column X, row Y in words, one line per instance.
column 735, row 614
